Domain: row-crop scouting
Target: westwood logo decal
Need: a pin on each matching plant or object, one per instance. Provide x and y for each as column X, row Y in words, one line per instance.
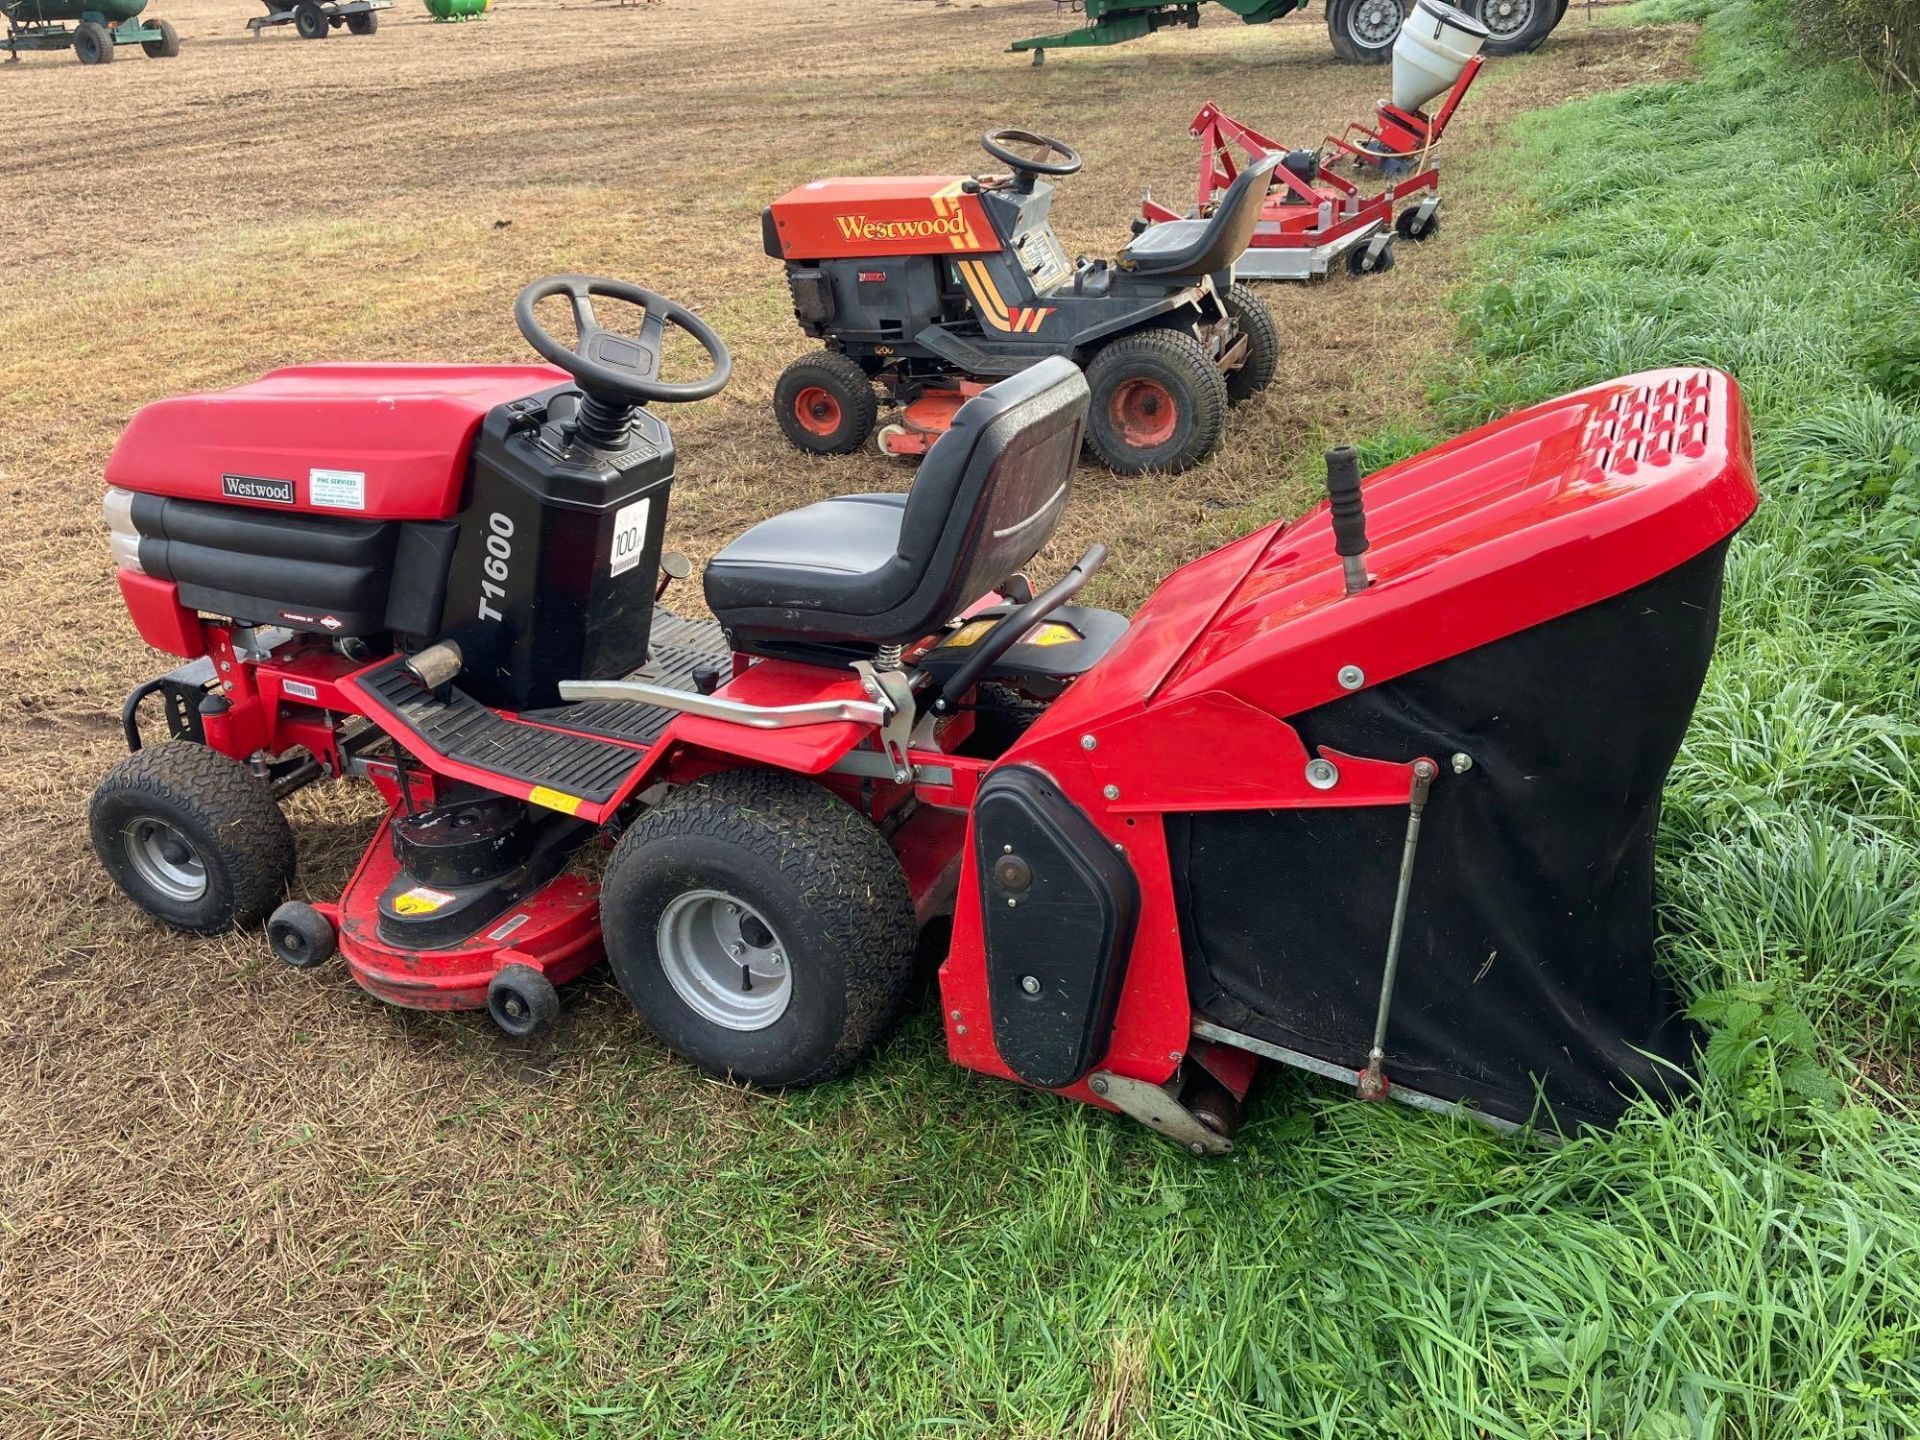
column 859, row 227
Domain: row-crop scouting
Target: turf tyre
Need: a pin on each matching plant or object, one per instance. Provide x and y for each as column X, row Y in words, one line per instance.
column 1174, row 362
column 92, row 43
column 1256, row 322
column 227, row 820
column 167, row 46
column 1001, row 715
column 843, row 408
column 830, row 890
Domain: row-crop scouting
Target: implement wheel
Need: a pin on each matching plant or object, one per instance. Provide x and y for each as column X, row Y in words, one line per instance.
column 92, row 43
column 167, row 46
column 363, row 23
column 1250, row 313
column 1159, row 403
column 310, row 20
column 191, row 837
column 1362, row 32
column 825, row 404
column 761, row 926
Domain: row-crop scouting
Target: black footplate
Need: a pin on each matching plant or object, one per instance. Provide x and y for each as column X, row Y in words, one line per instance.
column 675, row 650
column 568, row 748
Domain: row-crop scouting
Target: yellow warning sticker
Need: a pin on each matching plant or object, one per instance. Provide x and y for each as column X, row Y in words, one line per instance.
column 968, row 633
column 556, row 800
column 1047, row 632
column 1050, row 632
column 421, row 900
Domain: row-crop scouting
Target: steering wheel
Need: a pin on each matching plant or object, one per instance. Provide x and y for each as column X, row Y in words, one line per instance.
column 994, row 142
column 613, row 367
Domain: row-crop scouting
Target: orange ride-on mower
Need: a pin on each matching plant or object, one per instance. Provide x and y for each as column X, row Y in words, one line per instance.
column 1371, row 792
column 934, row 286
column 1360, row 190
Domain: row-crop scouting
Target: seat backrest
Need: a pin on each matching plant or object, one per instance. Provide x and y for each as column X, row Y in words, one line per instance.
column 992, row 489
column 1229, row 230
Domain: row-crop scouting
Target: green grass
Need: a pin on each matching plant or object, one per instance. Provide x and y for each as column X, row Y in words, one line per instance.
column 921, row 1252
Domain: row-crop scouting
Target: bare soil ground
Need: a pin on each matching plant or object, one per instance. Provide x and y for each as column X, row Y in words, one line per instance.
column 234, row 1199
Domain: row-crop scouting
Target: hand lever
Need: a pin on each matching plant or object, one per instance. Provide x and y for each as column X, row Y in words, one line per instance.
column 1349, row 516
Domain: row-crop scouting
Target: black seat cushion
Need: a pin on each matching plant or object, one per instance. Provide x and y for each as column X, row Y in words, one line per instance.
column 1205, row 247
column 871, row 570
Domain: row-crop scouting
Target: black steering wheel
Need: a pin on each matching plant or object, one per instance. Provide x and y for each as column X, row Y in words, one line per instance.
column 613, row 367
column 1025, row 167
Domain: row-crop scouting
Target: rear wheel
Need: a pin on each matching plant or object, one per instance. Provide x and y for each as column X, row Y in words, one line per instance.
column 92, row 43
column 364, row 23
column 1255, row 321
column 1362, row 259
column 1158, row 403
column 825, row 404
column 167, row 46
column 191, row 837
column 1363, row 31
column 1516, row 27
column 310, row 20
column 1409, row 226
column 761, row 926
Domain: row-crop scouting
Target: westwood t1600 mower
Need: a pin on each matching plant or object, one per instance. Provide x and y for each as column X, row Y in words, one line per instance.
column 1342, row 198
column 1372, row 792
column 932, row 286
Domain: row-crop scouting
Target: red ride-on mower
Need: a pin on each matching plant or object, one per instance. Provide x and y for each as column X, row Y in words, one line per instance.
column 1349, row 197
column 933, row 286
column 1372, row 792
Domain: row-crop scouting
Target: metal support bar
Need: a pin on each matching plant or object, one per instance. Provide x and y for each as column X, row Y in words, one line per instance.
column 736, row 712
column 1373, row 1080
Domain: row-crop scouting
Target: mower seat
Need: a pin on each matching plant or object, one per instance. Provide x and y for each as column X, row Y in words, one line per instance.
column 851, row 574
column 1205, row 247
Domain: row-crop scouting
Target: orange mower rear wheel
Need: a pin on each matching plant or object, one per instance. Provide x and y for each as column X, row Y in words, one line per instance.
column 1158, row 403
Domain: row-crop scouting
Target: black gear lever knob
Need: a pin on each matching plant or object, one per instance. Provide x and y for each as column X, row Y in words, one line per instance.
column 1349, row 515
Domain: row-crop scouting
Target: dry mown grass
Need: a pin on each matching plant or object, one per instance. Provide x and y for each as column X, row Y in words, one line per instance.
column 237, row 1199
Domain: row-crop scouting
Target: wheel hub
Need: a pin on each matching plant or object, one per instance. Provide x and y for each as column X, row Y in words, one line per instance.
column 1375, row 23
column 1507, row 17
column 817, row 410
column 165, row 859
column 1145, row 413
column 724, row 960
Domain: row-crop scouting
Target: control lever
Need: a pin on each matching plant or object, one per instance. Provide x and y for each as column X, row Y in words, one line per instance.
column 1349, row 516
column 1004, row 636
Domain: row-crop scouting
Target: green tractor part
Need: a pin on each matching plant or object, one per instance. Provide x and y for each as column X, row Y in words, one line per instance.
column 1360, row 31
column 317, row 19
column 99, row 27
column 457, row 9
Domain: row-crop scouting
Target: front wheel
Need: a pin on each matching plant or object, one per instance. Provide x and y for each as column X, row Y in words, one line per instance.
column 191, row 837
column 825, row 404
column 761, row 926
column 167, row 46
column 92, row 43
column 1255, row 321
column 1362, row 32
column 1516, row 27
column 1158, row 403
column 310, row 20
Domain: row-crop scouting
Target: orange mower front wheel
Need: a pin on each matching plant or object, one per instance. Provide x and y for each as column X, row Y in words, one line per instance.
column 825, row 404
